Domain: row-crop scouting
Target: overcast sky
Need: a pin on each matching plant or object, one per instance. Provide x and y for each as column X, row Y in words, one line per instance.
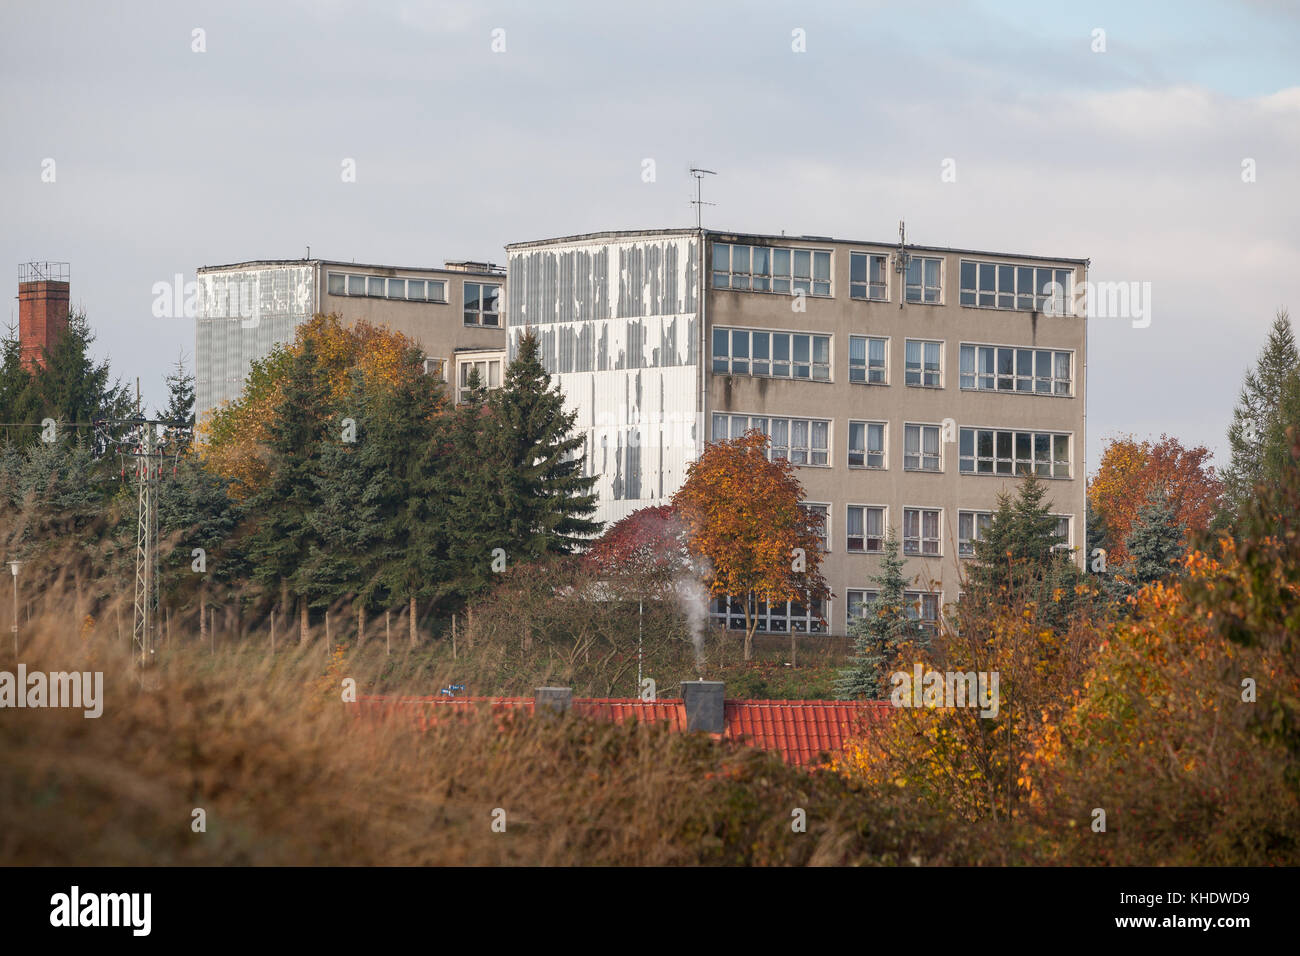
column 166, row 159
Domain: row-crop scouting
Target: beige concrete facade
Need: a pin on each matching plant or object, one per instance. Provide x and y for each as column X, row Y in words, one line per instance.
column 441, row 326
column 841, row 401
column 245, row 309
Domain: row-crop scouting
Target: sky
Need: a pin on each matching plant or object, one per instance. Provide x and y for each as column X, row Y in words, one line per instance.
column 1159, row 140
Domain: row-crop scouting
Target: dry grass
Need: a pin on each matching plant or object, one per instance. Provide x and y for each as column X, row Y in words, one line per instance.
column 287, row 774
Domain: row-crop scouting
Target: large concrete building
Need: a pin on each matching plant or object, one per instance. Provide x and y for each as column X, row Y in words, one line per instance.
column 245, row 309
column 910, row 385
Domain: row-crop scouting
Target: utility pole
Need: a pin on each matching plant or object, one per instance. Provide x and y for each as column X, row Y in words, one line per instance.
column 146, row 546
column 148, row 461
column 13, row 568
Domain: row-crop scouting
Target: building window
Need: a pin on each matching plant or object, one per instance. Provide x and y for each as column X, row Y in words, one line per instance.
column 481, row 300
column 776, row 354
column 823, row 512
column 923, row 363
column 996, row 285
column 923, row 280
column 922, row 607
column 921, row 531
column 868, row 276
column 437, row 368
column 988, row 451
column 921, row 448
column 866, row 444
column 867, row 356
column 858, row 600
column 1064, row 524
column 411, row 290
column 866, row 529
column 971, row 526
column 771, row 269
column 777, row 618
column 489, row 375
column 1007, row 369
column 802, row 441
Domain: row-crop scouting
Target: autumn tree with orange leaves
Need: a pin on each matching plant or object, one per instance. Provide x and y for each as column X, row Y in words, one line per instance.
column 743, row 515
column 1132, row 472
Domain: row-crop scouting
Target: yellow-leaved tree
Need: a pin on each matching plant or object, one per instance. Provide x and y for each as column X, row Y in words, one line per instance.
column 232, row 440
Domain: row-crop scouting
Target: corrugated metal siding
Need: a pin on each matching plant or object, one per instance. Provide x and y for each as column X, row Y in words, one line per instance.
column 241, row 315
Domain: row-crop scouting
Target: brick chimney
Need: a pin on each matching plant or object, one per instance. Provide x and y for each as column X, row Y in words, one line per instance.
column 705, row 708
column 42, row 308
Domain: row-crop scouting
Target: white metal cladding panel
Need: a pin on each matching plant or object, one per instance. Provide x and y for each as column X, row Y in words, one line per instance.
column 241, row 315
column 618, row 326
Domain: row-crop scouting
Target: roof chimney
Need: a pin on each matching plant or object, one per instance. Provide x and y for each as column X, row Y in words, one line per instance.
column 42, row 308
column 704, row 705
column 557, row 699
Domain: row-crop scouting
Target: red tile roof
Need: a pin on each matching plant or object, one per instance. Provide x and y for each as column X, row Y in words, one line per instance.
column 800, row 730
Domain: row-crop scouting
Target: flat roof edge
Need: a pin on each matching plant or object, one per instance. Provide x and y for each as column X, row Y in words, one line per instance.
column 722, row 233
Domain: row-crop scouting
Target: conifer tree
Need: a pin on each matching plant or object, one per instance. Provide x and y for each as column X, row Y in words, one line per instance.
column 180, row 408
column 539, row 501
column 879, row 633
column 1256, row 416
column 1155, row 543
column 409, row 550
column 279, row 545
column 1016, row 556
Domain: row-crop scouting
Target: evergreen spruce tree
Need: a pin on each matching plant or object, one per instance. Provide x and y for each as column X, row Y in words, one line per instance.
column 195, row 510
column 1275, row 457
column 540, row 501
column 279, row 544
column 879, row 633
column 1256, row 415
column 1154, row 544
column 463, row 476
column 1016, row 556
column 72, row 388
column 180, row 408
column 19, row 402
column 410, row 551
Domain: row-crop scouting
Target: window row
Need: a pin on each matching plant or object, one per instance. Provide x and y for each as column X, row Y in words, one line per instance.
column 776, row 354
column 974, row 525
column 867, row 526
column 989, row 451
column 802, row 441
column 983, row 367
column 994, row 285
column 983, row 451
column 771, row 269
column 781, row 617
column 413, row 290
column 920, row 606
column 1006, row 369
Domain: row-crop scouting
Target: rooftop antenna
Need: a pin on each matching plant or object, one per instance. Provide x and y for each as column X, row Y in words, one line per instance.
column 698, row 201
column 901, row 259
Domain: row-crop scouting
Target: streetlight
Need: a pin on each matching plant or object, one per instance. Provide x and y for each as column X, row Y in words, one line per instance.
column 13, row 568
